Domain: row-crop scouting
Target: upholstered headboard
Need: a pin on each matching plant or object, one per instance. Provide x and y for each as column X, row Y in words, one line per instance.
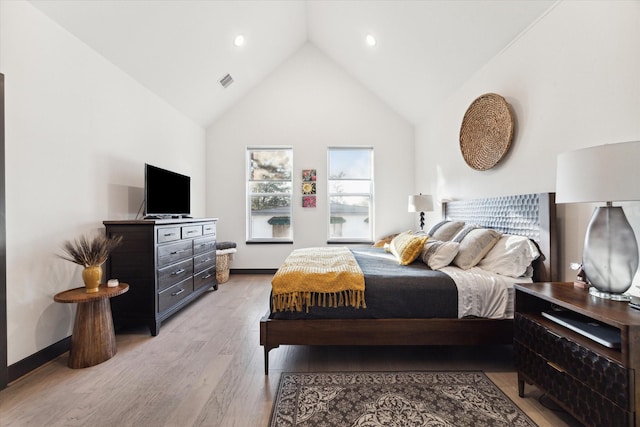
column 529, row 215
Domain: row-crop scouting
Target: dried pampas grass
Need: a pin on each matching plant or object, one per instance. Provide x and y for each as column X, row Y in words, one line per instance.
column 89, row 251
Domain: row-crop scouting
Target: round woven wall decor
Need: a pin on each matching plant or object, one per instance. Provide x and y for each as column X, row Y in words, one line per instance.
column 486, row 131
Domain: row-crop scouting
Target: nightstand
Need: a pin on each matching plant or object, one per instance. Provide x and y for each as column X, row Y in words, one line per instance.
column 593, row 382
column 93, row 340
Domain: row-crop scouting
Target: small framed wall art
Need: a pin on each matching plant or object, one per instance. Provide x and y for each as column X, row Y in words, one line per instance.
column 308, row 201
column 308, row 188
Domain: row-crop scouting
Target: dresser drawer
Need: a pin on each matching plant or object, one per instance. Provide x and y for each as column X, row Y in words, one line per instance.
column 171, row 296
column 209, row 229
column 204, row 261
column 191, row 231
column 590, row 407
column 174, row 273
column 173, row 252
column 609, row 378
column 204, row 244
column 204, row 278
column 168, row 234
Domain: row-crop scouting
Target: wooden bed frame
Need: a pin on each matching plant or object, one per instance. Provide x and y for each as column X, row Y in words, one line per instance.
column 530, row 215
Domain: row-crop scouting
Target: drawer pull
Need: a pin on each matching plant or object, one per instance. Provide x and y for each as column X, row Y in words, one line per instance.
column 206, row 277
column 555, row 366
column 169, row 234
column 182, row 270
column 204, row 260
column 191, row 231
column 177, row 293
column 177, row 252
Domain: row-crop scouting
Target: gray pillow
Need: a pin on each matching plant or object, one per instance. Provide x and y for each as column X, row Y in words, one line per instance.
column 445, row 230
column 475, row 243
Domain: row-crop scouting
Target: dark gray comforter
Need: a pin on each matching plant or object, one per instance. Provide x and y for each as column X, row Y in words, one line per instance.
column 393, row 291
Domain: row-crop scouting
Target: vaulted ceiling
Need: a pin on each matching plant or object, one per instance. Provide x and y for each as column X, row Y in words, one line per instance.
column 180, row 49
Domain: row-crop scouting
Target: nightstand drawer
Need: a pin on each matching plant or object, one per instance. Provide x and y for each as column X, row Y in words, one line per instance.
column 584, row 402
column 611, row 379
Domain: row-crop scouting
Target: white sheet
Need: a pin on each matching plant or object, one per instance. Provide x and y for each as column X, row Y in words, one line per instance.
column 484, row 294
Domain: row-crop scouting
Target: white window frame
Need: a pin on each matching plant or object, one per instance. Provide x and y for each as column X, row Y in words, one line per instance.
column 370, row 194
column 250, row 194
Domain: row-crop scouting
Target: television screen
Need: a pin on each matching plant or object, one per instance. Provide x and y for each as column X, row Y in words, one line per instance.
column 166, row 193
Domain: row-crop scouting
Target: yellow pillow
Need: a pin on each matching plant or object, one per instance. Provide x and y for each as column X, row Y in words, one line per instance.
column 407, row 246
column 385, row 240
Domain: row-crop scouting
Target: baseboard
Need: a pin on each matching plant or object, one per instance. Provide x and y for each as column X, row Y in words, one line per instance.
column 38, row 359
column 253, row 270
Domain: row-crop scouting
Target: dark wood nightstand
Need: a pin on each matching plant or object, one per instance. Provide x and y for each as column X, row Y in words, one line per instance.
column 595, row 383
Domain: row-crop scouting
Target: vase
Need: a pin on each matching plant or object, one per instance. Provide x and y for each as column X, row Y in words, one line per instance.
column 91, row 276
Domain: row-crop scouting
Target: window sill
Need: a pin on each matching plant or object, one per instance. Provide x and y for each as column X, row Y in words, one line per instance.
column 269, row 242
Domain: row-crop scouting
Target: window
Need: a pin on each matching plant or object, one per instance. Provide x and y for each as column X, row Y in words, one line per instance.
column 269, row 194
column 350, row 194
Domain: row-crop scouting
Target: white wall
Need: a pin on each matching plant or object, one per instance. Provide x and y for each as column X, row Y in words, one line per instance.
column 572, row 81
column 308, row 103
column 78, row 132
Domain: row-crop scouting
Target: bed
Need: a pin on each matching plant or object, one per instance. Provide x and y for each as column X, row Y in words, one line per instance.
column 529, row 215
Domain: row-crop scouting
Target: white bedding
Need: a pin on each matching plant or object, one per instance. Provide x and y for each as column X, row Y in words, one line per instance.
column 482, row 293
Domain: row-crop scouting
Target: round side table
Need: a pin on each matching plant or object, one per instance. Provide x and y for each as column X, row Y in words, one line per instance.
column 94, row 339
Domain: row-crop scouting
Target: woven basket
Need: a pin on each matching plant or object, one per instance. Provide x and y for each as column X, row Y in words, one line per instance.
column 486, row 131
column 222, row 268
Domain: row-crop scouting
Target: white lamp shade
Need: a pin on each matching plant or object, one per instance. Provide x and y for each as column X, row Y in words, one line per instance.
column 605, row 173
column 420, row 203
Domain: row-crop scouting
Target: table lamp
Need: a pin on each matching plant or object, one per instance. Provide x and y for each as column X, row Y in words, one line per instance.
column 605, row 173
column 421, row 203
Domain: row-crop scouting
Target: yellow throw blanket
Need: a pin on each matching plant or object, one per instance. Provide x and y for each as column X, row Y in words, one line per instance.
column 326, row 277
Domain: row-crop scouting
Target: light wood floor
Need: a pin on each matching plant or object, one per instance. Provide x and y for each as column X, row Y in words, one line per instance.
column 205, row 368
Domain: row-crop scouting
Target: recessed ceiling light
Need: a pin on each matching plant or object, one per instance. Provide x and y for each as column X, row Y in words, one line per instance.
column 371, row 41
column 239, row 40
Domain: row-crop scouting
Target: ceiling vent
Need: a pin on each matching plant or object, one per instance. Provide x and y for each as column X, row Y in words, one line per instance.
column 226, row 81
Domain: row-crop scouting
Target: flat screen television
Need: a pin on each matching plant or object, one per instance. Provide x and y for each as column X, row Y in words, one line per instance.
column 166, row 193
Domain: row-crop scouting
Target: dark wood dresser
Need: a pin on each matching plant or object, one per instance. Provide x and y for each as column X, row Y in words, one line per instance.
column 167, row 264
column 593, row 382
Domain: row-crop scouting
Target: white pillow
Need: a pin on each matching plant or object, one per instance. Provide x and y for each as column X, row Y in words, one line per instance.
column 437, row 254
column 475, row 243
column 510, row 256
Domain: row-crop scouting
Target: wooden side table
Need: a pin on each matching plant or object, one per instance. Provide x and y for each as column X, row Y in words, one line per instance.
column 93, row 340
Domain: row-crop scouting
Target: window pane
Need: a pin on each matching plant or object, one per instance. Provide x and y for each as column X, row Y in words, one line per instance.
column 349, row 217
column 350, row 163
column 271, row 226
column 342, row 186
column 270, row 217
column 270, row 165
column 270, row 203
column 270, row 187
column 269, row 193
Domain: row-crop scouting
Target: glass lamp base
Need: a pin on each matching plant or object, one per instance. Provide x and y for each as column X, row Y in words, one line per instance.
column 609, row 295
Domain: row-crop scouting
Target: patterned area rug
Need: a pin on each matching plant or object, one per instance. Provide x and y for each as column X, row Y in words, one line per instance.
column 393, row 399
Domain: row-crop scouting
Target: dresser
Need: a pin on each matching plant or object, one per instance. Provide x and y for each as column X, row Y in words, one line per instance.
column 593, row 382
column 166, row 262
